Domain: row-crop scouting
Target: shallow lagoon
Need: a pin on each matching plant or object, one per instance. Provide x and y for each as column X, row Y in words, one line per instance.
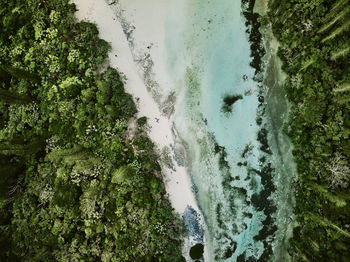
column 220, row 55
column 204, row 57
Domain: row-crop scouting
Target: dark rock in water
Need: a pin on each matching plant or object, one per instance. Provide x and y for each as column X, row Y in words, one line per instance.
column 190, row 218
column 218, row 148
column 245, row 77
column 230, row 250
column 228, row 253
column 111, row 2
column 229, row 100
column 245, row 163
column 247, row 214
column 259, row 121
column 262, row 138
column 248, row 148
column 241, row 190
column 196, row 251
column 241, row 258
column 255, row 38
column 223, row 163
column 262, row 159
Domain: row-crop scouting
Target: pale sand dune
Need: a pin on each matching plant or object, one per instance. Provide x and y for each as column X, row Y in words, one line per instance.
column 178, row 183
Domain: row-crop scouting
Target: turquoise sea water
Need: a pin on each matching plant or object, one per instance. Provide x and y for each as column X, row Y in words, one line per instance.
column 241, row 168
column 228, row 186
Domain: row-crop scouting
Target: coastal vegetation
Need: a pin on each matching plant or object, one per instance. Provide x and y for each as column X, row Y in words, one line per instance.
column 73, row 185
column 314, row 48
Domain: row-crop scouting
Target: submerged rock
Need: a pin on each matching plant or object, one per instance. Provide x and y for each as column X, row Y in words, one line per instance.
column 229, row 100
column 192, row 225
column 197, row 251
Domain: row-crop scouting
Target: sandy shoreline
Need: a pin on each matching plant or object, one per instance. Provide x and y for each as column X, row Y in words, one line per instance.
column 178, row 184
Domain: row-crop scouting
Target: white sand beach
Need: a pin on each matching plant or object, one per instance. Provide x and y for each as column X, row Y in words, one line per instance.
column 178, row 183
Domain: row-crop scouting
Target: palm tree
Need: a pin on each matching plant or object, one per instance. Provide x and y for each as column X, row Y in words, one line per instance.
column 343, row 88
column 339, row 17
column 21, row 149
column 341, row 53
column 337, row 32
column 7, row 70
column 14, row 98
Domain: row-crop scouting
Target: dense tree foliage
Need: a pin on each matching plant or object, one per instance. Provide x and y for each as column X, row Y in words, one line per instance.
column 73, row 185
column 315, row 45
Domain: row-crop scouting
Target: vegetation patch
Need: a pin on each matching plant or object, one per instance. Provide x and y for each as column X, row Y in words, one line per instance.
column 314, row 38
column 72, row 186
column 142, row 121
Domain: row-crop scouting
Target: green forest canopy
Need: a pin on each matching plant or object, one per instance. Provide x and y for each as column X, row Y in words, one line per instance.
column 315, row 44
column 73, row 187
